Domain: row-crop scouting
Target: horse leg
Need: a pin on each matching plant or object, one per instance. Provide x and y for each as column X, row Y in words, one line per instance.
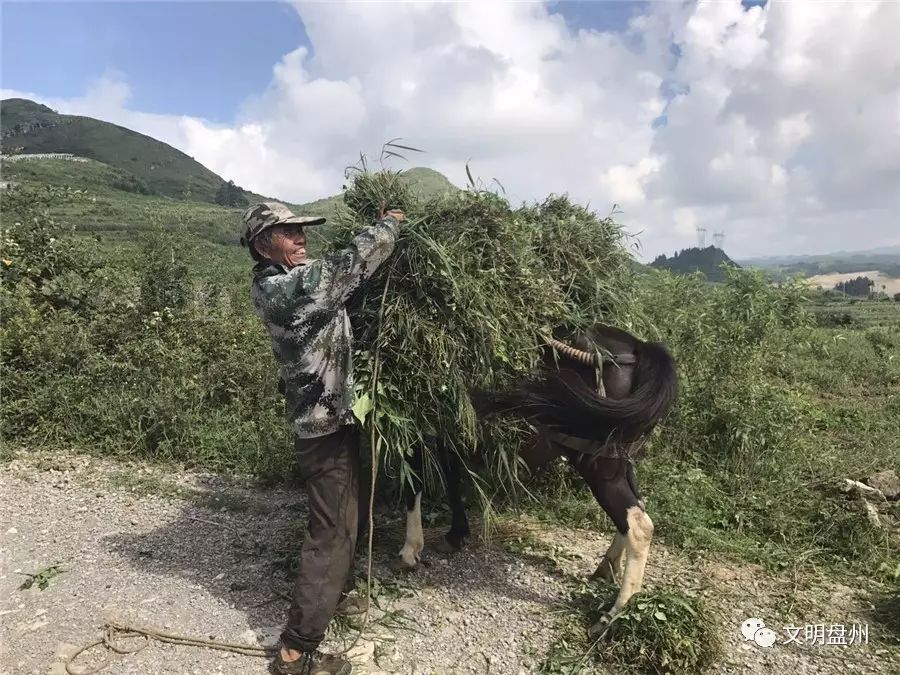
column 458, row 535
column 610, row 567
column 538, row 452
column 411, row 552
column 612, row 482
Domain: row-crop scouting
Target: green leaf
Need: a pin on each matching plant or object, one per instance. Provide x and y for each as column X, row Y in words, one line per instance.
column 659, row 615
column 362, row 407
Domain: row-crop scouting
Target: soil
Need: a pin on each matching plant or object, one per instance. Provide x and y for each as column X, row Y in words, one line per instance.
column 206, row 556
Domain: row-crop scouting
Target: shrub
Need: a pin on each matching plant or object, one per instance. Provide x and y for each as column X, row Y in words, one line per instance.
column 117, row 361
column 165, row 273
column 837, row 320
column 131, row 183
column 766, row 423
column 725, row 340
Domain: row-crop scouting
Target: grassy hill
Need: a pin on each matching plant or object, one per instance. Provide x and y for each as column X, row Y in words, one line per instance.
column 690, row 260
column 110, row 204
column 132, row 182
column 104, row 202
column 425, row 182
column 130, row 161
column 29, row 127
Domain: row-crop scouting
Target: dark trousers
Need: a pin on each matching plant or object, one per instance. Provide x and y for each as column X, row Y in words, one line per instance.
column 329, row 469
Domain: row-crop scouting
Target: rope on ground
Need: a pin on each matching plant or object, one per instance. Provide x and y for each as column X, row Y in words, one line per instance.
column 114, row 632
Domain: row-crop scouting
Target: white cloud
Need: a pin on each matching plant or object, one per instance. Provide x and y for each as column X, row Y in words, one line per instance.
column 784, row 131
column 685, row 221
column 627, row 182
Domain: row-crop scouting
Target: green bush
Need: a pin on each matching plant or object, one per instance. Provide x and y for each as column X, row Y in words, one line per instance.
column 130, row 183
column 837, row 319
column 165, row 273
column 115, row 360
column 768, row 408
column 726, row 340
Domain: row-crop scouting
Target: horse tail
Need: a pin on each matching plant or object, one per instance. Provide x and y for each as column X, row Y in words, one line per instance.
column 569, row 405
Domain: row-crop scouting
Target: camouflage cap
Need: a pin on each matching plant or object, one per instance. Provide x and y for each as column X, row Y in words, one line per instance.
column 264, row 215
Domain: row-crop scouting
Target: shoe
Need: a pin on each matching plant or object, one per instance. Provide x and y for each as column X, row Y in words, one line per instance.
column 313, row 663
column 351, row 605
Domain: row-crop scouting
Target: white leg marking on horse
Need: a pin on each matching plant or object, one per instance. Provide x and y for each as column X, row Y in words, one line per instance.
column 610, row 567
column 637, row 546
column 415, row 540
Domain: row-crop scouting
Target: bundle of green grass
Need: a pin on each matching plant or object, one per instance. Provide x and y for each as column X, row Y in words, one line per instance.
column 659, row 631
column 473, row 290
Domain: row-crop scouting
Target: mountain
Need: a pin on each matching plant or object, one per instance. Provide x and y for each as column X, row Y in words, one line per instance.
column 783, row 260
column 885, row 261
column 29, row 128
column 706, row 260
column 426, row 183
column 125, row 182
column 132, row 162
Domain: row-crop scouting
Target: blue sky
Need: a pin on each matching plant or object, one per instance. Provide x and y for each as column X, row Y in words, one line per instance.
column 179, row 58
column 190, row 58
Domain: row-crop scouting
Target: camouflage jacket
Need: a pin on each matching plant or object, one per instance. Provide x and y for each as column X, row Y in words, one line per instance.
column 303, row 310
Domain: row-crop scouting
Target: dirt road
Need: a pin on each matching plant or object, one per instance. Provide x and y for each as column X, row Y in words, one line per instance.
column 207, row 556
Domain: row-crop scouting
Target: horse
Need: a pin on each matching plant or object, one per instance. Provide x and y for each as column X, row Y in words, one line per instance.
column 597, row 396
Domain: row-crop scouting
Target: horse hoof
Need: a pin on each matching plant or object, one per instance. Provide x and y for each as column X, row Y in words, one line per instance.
column 400, row 566
column 598, row 628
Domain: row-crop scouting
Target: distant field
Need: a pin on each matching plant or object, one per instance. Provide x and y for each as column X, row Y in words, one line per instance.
column 857, row 312
column 828, row 281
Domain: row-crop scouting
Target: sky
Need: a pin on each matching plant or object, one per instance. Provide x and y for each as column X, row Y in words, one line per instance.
column 775, row 123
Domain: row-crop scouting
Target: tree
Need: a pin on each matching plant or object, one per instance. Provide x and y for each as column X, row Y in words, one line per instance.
column 860, row 286
column 230, row 194
column 165, row 274
column 707, row 260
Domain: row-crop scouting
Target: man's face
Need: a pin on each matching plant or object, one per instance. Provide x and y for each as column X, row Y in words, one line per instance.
column 288, row 246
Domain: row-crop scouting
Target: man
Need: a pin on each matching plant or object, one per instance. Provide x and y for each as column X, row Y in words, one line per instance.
column 301, row 303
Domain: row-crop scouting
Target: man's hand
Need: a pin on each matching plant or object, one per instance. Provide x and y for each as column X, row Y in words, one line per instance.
column 396, row 213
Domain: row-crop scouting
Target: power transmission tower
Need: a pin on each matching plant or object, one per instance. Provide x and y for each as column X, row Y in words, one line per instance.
column 701, row 236
column 719, row 239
